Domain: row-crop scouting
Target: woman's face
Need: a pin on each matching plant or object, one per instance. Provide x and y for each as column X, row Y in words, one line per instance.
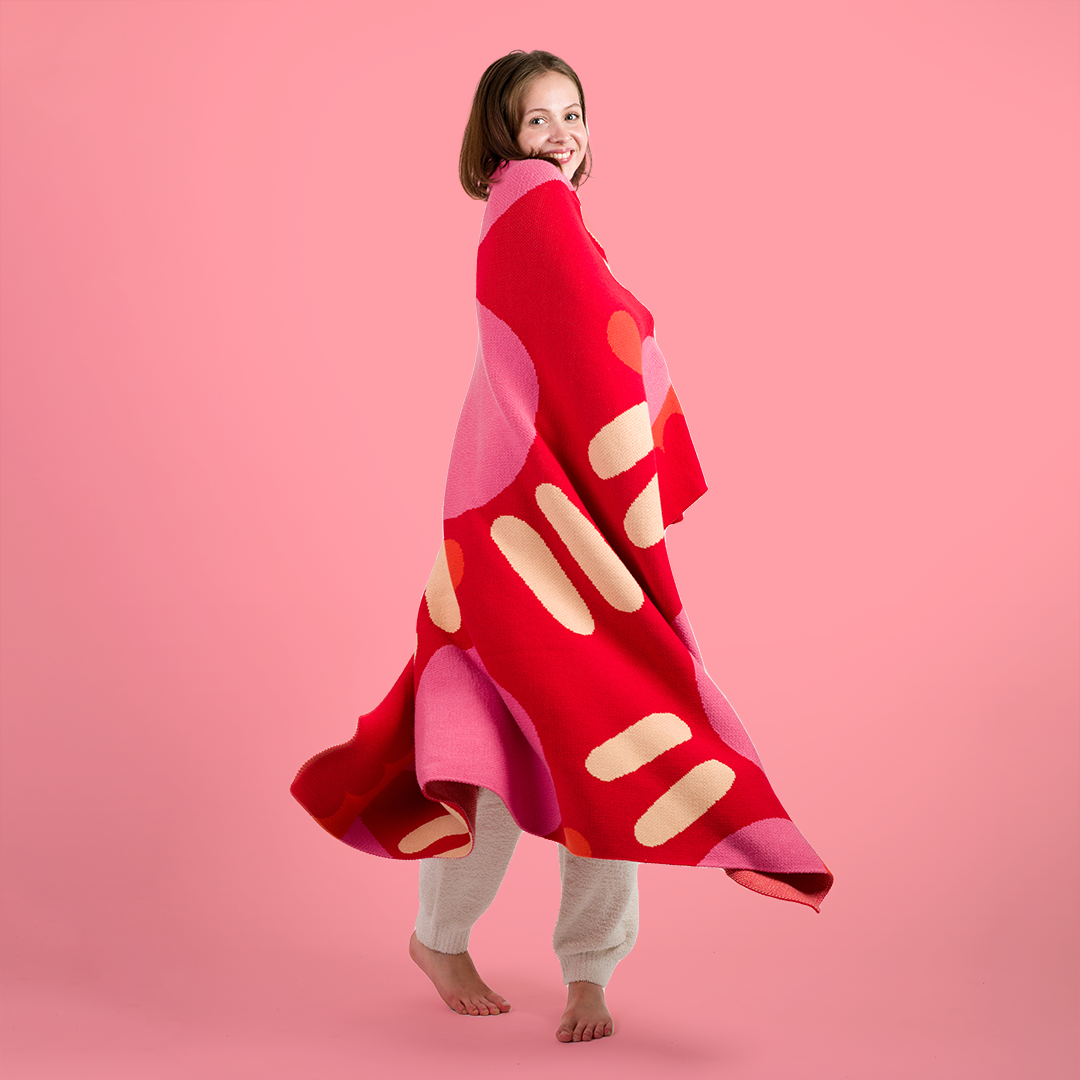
column 552, row 121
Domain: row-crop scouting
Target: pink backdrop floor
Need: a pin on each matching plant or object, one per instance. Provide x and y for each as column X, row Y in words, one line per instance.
column 237, row 325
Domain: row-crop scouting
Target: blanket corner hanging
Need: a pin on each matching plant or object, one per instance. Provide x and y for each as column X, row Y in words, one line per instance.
column 554, row 663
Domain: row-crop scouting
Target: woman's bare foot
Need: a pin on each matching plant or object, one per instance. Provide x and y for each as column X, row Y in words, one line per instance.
column 456, row 979
column 586, row 1017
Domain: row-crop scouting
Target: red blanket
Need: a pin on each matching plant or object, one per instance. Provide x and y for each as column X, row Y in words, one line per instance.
column 554, row 664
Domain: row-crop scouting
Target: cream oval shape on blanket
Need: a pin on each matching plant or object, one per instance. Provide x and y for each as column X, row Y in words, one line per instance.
column 644, row 521
column 593, row 553
column 464, row 849
column 534, row 563
column 442, row 604
column 684, row 802
column 425, row 835
column 637, row 745
column 622, row 443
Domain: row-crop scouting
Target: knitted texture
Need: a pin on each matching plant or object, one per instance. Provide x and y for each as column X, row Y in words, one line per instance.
column 554, row 664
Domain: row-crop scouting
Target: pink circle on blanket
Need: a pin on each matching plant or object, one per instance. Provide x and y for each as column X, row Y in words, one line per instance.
column 498, row 420
column 723, row 718
column 771, row 845
column 469, row 730
column 654, row 371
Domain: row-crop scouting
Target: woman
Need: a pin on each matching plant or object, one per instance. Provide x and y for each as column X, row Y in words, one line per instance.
column 556, row 684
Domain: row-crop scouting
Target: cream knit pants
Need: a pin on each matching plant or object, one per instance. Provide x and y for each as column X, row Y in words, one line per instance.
column 598, row 913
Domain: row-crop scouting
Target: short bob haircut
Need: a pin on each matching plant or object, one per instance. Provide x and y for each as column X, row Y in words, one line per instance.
column 491, row 133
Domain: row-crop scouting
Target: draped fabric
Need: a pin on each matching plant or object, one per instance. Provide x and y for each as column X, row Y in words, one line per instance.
column 554, row 663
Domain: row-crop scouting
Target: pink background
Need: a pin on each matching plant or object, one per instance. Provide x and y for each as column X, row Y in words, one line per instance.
column 237, row 328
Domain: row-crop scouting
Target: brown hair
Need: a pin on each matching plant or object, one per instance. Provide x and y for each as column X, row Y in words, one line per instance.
column 491, row 133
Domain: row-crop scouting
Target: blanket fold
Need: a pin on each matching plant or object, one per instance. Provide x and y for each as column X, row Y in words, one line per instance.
column 554, row 663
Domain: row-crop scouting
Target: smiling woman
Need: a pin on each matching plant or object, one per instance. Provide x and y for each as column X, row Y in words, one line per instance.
column 526, row 105
column 556, row 684
column 553, row 122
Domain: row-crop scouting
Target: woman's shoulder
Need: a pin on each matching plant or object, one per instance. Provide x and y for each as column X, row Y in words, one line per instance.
column 515, row 179
column 541, row 168
column 512, row 179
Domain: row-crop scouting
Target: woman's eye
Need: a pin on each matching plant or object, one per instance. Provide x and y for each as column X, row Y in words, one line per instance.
column 537, row 120
column 572, row 116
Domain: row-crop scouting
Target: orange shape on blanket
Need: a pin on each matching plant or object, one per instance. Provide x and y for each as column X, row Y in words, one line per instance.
column 575, row 843
column 624, row 339
column 671, row 405
column 455, row 561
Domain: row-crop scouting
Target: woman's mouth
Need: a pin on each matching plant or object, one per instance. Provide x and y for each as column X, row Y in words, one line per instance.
column 561, row 156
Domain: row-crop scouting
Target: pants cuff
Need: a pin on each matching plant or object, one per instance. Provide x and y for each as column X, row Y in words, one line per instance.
column 444, row 940
column 588, row 967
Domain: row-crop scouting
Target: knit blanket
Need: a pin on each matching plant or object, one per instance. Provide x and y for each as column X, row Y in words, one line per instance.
column 554, row 663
